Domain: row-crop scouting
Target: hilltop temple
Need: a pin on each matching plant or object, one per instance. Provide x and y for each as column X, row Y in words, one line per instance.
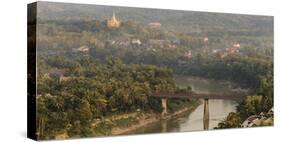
column 113, row 22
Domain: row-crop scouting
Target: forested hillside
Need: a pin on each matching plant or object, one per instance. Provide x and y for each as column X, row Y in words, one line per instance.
column 184, row 21
column 90, row 75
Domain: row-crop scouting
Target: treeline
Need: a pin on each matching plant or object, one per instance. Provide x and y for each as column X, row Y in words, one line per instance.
column 67, row 34
column 64, row 35
column 258, row 106
column 180, row 21
column 100, row 90
column 244, row 70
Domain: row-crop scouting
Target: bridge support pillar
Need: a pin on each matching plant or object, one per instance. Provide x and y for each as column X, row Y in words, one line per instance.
column 164, row 106
column 206, row 114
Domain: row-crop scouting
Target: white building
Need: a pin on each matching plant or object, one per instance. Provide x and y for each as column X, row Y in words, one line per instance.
column 136, row 42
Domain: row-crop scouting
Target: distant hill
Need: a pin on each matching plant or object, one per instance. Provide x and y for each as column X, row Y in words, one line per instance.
column 184, row 21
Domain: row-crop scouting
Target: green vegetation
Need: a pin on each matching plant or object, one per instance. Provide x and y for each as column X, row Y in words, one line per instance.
column 87, row 72
column 101, row 89
column 246, row 71
column 258, row 105
column 62, row 36
column 233, row 120
column 176, row 20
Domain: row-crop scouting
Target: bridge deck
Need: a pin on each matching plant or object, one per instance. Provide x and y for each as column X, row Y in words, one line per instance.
column 202, row 95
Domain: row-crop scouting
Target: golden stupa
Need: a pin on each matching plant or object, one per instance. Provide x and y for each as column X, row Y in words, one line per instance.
column 113, row 22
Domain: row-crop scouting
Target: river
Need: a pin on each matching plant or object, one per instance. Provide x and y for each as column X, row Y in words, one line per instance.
column 193, row 121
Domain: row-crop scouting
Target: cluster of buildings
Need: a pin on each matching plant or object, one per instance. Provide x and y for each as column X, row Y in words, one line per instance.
column 234, row 50
column 263, row 119
column 230, row 51
column 127, row 41
column 124, row 41
column 155, row 25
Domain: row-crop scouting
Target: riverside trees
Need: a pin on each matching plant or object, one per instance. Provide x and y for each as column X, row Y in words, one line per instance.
column 98, row 86
column 111, row 88
column 259, row 104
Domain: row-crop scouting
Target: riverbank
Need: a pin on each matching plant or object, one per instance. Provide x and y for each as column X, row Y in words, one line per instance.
column 131, row 122
column 147, row 119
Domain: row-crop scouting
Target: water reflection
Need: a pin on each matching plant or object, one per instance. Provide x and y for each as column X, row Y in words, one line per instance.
column 218, row 109
column 206, row 114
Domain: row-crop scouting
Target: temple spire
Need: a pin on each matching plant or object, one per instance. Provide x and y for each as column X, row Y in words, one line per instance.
column 113, row 22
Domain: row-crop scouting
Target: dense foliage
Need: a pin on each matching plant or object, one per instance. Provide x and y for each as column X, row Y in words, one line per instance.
column 114, row 76
column 244, row 70
column 60, row 37
column 99, row 90
column 258, row 105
